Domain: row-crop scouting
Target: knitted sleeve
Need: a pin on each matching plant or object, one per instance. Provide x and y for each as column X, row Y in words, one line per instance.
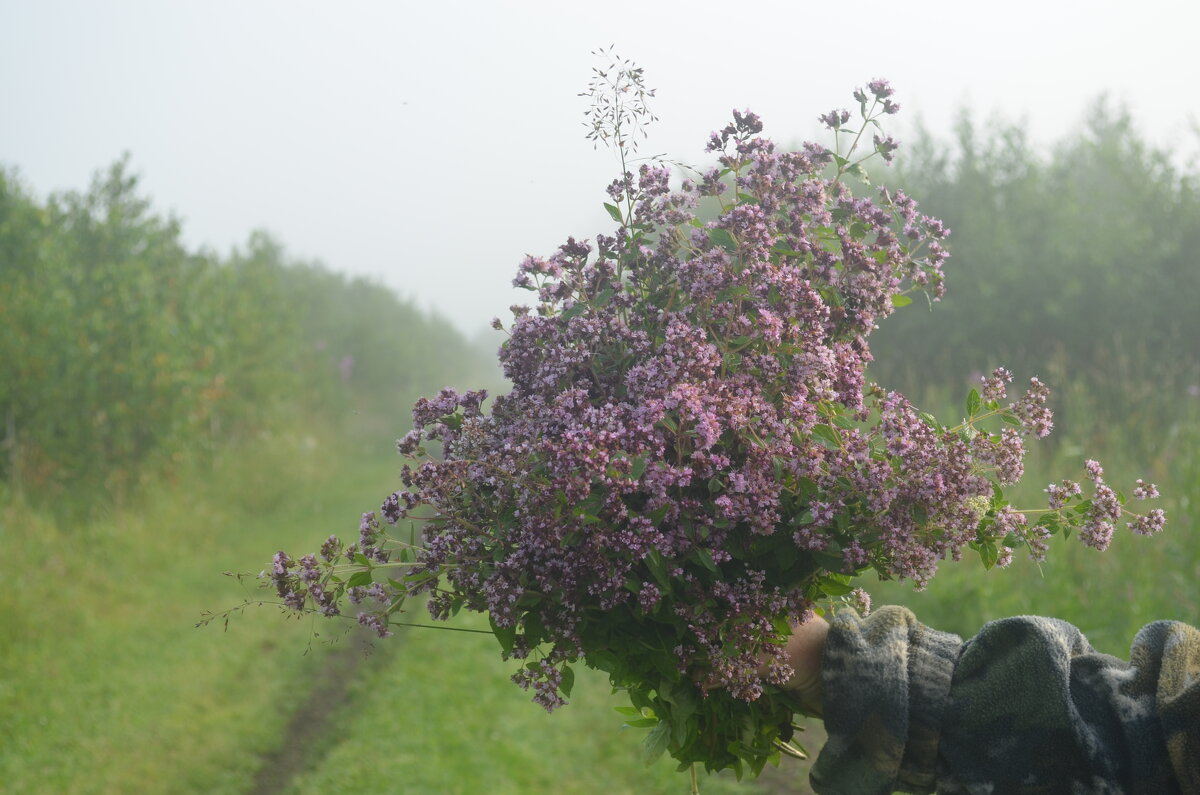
column 1026, row 706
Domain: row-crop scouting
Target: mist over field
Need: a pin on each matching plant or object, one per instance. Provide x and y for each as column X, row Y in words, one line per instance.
column 209, row 346
column 434, row 146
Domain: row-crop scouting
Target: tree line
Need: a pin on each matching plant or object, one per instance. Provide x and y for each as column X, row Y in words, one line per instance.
column 121, row 349
column 1080, row 264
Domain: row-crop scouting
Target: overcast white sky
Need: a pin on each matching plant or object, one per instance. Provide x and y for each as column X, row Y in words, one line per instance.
column 433, row 144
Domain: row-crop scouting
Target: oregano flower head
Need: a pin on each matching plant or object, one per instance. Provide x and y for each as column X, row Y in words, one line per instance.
column 691, row 457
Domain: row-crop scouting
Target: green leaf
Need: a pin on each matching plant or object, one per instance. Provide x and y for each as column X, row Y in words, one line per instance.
column 656, row 743
column 679, row 728
column 359, row 578
column 973, row 402
column 638, row 467
column 529, row 599
column 506, row 635
column 683, row 698
column 535, row 631
column 658, row 568
column 989, row 554
column 858, row 171
column 732, row 292
column 827, row 434
column 785, row 251
column 804, row 517
column 642, row 701
column 834, row 587
column 901, row 300
column 568, row 680
column 705, row 558
column 722, row 238
column 604, row 661
column 614, row 212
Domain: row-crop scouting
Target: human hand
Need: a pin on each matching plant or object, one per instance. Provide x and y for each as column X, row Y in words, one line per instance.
column 803, row 653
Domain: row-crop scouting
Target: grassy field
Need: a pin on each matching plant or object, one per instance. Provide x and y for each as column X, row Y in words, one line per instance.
column 105, row 683
column 451, row 722
column 107, row 686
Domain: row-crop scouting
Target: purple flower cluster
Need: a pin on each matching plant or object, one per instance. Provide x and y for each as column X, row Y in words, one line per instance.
column 545, row 679
column 308, row 581
column 686, row 394
column 690, row 455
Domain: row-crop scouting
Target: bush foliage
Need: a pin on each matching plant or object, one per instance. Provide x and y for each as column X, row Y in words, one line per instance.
column 121, row 349
column 1080, row 264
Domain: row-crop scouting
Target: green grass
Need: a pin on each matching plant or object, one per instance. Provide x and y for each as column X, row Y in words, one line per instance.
column 441, row 716
column 106, row 685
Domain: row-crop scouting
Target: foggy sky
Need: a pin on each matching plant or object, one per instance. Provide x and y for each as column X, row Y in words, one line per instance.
column 433, row 145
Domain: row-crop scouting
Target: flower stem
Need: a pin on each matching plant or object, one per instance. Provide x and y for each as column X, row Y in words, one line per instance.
column 444, row 629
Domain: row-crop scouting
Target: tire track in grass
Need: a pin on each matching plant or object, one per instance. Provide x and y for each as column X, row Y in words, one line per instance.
column 306, row 739
column 309, row 734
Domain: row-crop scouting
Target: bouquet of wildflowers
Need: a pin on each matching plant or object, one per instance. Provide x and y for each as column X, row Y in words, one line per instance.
column 691, row 459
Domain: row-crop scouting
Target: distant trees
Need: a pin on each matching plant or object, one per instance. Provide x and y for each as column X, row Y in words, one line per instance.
column 1085, row 262
column 120, row 347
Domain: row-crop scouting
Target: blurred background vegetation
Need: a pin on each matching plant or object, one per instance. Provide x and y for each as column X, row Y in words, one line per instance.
column 121, row 352
column 170, row 414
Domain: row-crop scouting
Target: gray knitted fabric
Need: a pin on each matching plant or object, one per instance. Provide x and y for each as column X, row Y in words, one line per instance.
column 1026, row 706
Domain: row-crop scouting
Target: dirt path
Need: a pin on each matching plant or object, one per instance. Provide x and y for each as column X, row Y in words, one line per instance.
column 305, row 739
